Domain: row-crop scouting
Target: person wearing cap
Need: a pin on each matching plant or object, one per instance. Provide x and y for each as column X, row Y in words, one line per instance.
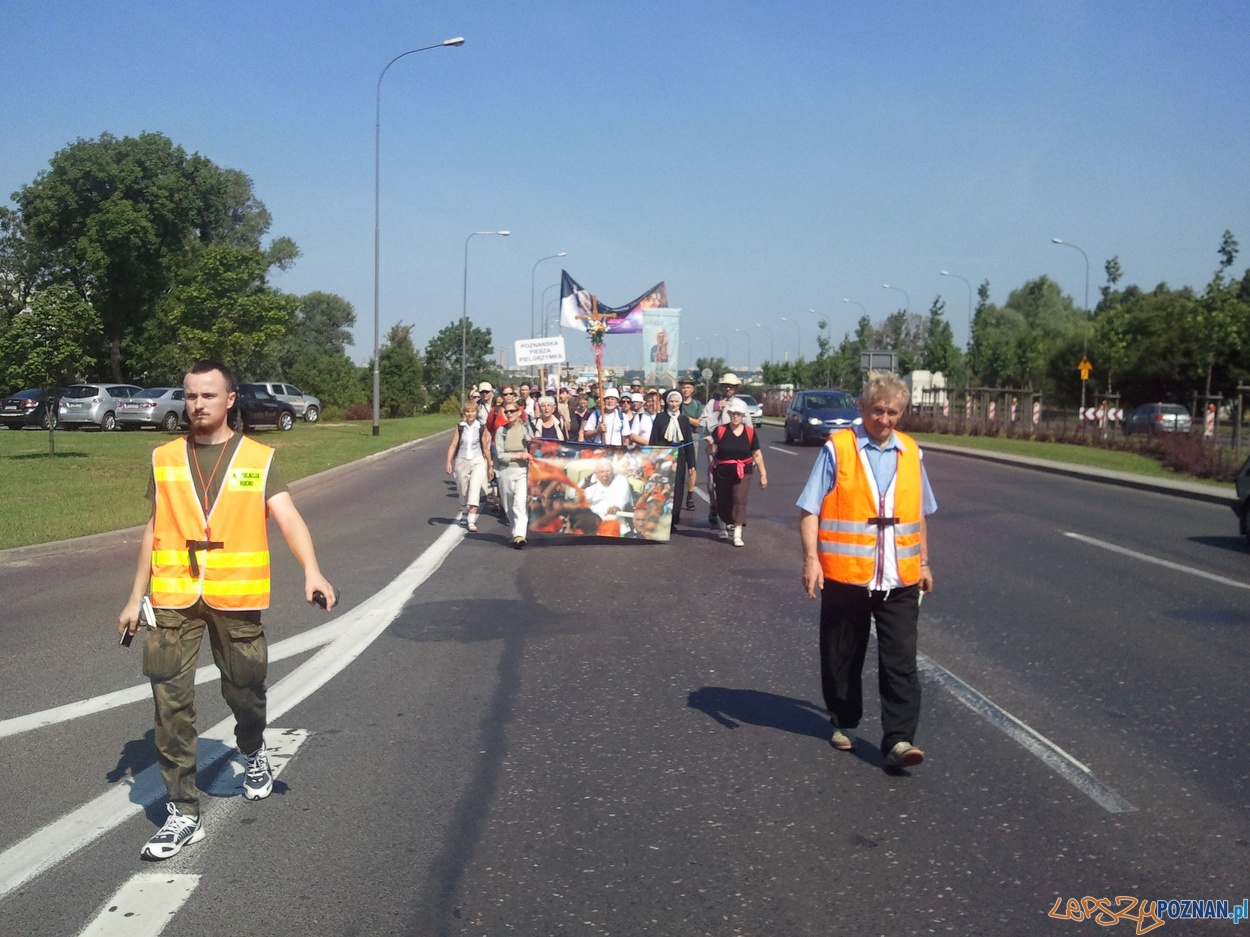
column 736, row 455
column 640, row 421
column 692, row 410
column 485, row 396
column 862, row 524
column 606, row 425
column 512, row 460
column 671, row 427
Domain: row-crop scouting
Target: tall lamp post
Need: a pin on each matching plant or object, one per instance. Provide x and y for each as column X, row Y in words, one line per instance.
column 906, row 298
column 798, row 331
column 862, row 308
column 464, row 309
column 947, row 273
column 1085, row 339
column 533, row 272
column 377, row 235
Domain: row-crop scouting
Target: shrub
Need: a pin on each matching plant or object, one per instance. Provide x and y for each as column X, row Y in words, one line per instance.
column 359, row 411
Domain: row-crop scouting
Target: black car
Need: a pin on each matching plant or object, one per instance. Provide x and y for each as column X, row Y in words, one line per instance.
column 255, row 406
column 814, row 414
column 1241, row 506
column 26, row 408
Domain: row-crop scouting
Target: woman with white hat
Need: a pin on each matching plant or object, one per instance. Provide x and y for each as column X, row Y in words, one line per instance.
column 736, row 455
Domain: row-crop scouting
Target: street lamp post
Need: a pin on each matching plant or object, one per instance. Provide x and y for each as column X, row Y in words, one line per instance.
column 798, row 331
column 377, row 226
column 464, row 309
column 772, row 352
column 906, row 298
column 1085, row 338
column 862, row 307
column 947, row 273
column 533, row 272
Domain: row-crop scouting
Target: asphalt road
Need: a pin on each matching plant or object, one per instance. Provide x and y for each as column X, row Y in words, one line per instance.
column 628, row 738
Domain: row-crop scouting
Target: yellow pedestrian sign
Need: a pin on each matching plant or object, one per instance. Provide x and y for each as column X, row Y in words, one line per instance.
column 1084, row 367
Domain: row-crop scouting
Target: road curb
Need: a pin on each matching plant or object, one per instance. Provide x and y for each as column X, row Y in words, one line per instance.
column 1181, row 489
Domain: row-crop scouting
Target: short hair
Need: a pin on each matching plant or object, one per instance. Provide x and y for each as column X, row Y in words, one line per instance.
column 207, row 365
column 546, row 398
column 884, row 385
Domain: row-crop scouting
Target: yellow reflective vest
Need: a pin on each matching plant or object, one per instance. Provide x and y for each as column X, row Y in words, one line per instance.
column 862, row 530
column 223, row 557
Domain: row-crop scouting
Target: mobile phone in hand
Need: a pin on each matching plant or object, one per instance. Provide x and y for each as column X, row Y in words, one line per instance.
column 147, row 619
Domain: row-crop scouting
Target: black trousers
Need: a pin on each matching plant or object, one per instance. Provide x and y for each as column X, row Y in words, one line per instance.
column 845, row 615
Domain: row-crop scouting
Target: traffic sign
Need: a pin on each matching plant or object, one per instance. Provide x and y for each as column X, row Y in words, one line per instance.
column 1084, row 367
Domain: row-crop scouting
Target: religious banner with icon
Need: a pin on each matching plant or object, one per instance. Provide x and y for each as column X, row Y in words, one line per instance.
column 577, row 304
column 661, row 337
column 601, row 491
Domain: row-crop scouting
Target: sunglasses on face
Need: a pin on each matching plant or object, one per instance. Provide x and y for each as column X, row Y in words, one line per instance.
column 510, row 412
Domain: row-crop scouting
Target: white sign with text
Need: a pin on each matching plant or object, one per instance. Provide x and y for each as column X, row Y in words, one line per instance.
column 536, row 351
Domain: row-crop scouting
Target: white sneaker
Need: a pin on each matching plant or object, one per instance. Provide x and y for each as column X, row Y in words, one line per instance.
column 179, row 830
column 737, row 530
column 724, row 530
column 258, row 778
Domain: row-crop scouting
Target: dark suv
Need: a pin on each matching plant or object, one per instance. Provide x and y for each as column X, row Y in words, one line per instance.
column 814, row 414
column 255, row 406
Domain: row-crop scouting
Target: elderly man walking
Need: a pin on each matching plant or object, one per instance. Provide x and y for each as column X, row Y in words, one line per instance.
column 866, row 556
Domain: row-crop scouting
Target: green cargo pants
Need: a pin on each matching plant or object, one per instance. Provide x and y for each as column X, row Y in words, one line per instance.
column 170, row 651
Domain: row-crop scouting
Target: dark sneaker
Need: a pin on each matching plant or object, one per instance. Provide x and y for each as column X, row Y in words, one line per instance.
column 690, row 503
column 179, row 830
column 904, row 755
column 258, row 778
column 842, row 740
column 518, row 542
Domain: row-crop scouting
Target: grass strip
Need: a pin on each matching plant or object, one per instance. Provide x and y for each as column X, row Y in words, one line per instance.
column 96, row 481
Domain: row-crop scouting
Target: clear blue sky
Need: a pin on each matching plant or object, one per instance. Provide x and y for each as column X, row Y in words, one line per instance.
column 763, row 159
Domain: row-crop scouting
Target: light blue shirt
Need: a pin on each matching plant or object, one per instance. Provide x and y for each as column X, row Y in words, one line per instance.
column 883, row 460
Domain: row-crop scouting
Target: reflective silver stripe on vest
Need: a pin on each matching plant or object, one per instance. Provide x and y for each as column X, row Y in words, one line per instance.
column 864, row 551
column 905, row 553
column 848, row 527
column 907, row 530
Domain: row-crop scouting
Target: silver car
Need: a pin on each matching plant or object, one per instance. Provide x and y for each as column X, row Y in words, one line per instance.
column 94, row 404
column 156, row 406
column 755, row 409
column 307, row 407
column 1153, row 418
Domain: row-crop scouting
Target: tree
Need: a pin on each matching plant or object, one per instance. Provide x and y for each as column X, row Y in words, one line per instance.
column 335, row 380
column 442, row 360
column 19, row 268
column 122, row 220
column 1219, row 315
column 222, row 307
column 45, row 345
column 399, row 374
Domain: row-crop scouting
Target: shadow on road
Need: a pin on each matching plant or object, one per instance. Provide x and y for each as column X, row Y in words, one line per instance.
column 731, row 708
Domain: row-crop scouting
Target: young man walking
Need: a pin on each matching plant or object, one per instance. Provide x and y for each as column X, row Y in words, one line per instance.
column 205, row 555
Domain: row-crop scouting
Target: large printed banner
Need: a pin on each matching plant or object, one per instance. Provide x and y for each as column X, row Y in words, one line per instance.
column 626, row 320
column 604, row 491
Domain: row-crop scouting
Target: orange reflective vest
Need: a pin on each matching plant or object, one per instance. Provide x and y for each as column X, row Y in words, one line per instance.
column 864, row 531
column 224, row 557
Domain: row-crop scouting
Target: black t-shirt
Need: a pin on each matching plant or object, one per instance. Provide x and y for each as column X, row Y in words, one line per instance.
column 729, row 446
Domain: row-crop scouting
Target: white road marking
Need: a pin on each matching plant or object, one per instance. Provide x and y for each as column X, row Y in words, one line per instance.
column 146, row 905
column 783, row 451
column 44, row 848
column 1147, row 558
column 280, row 650
column 143, row 906
column 1050, row 754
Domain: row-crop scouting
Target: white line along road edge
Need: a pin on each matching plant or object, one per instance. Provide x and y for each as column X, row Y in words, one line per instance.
column 46, row 847
column 1147, row 558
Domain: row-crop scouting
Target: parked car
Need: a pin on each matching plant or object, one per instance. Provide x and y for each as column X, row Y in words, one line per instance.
column 25, row 408
column 814, row 414
column 306, row 406
column 156, row 406
column 93, row 404
column 255, row 406
column 1241, row 505
column 1153, row 418
column 755, row 410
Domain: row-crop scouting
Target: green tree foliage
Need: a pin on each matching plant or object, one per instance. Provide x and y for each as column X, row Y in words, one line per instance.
column 19, row 267
column 400, row 374
column 442, row 360
column 127, row 221
column 220, row 306
column 333, row 378
column 44, row 344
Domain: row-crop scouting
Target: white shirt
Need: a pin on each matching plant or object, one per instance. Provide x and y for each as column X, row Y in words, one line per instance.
column 470, row 440
column 613, row 426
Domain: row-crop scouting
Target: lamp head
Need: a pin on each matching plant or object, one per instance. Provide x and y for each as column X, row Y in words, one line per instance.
column 458, row 41
column 1056, row 240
